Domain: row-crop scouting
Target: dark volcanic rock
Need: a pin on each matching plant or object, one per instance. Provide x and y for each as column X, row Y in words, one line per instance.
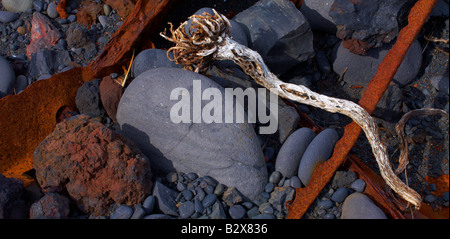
column 110, row 94
column 7, row 79
column 365, row 24
column 96, row 166
column 277, row 30
column 10, row 191
column 88, row 99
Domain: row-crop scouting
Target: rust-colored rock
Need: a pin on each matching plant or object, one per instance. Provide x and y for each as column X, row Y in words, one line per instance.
column 43, row 34
column 123, row 7
column 61, row 9
column 110, row 94
column 87, row 14
column 95, row 165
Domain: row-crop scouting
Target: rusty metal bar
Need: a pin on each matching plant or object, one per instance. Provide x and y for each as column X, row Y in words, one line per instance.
column 375, row 90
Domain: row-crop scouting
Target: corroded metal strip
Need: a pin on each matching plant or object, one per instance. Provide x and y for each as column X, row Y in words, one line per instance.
column 373, row 93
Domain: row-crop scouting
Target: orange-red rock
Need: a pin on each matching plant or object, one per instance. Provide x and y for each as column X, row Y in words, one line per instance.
column 95, row 165
column 43, row 34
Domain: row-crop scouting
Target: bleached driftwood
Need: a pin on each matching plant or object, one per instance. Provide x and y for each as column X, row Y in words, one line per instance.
column 208, row 40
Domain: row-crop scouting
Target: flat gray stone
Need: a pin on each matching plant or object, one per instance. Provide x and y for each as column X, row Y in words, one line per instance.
column 319, row 150
column 343, row 58
column 165, row 199
column 359, row 206
column 122, row 212
column 228, row 152
column 278, row 31
column 292, row 150
column 7, row 17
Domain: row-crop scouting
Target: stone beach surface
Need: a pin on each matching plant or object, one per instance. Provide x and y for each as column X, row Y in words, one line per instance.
column 120, row 156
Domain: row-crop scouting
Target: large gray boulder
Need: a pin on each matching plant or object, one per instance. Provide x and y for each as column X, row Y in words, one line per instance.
column 278, row 31
column 229, row 152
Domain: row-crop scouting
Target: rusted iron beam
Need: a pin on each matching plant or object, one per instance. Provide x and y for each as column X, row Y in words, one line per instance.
column 375, row 90
column 27, row 118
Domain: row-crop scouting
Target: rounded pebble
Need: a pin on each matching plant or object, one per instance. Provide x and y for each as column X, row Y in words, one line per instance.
column 429, row 198
column 122, row 212
column 275, row 177
column 237, row 212
column 149, row 204
column 325, row 204
column 269, row 187
column 198, row 205
column 220, row 188
column 139, row 212
column 292, row 150
column 318, row 151
column 340, row 195
column 358, row 185
column 209, row 200
column 188, row 195
column 51, row 10
column 295, row 182
column 186, row 209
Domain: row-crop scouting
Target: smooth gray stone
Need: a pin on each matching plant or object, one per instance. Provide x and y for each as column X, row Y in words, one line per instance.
column 7, row 79
column 151, row 59
column 358, row 185
column 292, row 150
column 342, row 58
column 278, row 31
column 7, row 17
column 209, row 200
column 340, row 195
column 149, row 204
column 139, row 212
column 295, row 182
column 51, row 10
column 319, row 150
column 122, row 212
column 228, row 152
column 165, row 199
column 186, row 209
column 359, row 206
column 325, row 204
column 237, row 212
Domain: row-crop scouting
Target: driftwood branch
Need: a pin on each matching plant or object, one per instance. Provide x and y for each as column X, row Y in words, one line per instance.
column 208, row 40
column 403, row 160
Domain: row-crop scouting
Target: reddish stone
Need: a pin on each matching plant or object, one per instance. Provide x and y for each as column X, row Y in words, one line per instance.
column 61, row 9
column 110, row 94
column 96, row 166
column 87, row 14
column 123, row 7
column 43, row 34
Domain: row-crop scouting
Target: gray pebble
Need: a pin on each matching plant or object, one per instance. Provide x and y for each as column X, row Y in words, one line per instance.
column 209, row 180
column 329, row 216
column 149, row 204
column 433, row 187
column 103, row 21
column 192, row 176
column 139, row 212
column 269, row 187
column 6, row 17
column 217, row 211
column 358, row 185
column 253, row 212
column 38, row 5
column 72, row 18
column 340, row 195
column 295, row 182
column 237, row 212
column 122, row 212
column 188, row 195
column 186, row 209
column 198, row 205
column 51, row 10
column 209, row 189
column 325, row 204
column 275, row 177
column 209, row 200
column 264, row 216
column 359, row 206
column 429, row 198
column 181, row 186
column 172, row 176
column 247, row 205
column 200, row 193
